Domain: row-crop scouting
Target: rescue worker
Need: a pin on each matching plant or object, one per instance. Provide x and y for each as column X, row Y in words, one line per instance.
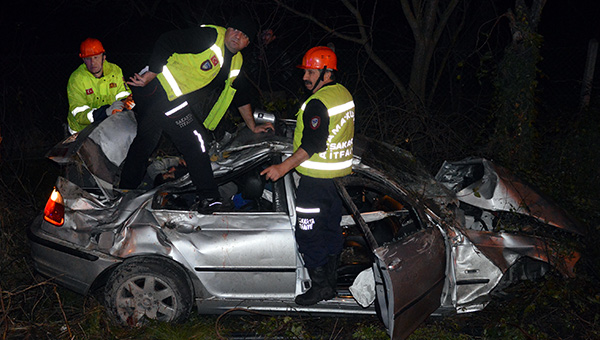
column 323, row 144
column 188, row 67
column 96, row 89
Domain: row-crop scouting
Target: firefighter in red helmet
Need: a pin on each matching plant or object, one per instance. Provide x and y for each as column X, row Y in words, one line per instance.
column 96, row 89
column 323, row 142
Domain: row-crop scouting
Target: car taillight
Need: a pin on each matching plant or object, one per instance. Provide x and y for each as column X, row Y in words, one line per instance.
column 54, row 212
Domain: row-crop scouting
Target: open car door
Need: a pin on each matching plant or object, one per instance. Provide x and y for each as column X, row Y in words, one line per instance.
column 410, row 257
column 409, row 279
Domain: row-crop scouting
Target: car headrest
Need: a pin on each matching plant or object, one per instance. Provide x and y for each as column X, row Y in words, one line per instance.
column 252, row 185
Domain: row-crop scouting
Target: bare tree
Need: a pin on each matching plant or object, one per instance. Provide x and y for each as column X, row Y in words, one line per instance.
column 427, row 20
column 516, row 87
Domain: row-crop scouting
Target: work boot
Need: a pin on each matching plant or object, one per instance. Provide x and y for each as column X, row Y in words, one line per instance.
column 332, row 267
column 320, row 289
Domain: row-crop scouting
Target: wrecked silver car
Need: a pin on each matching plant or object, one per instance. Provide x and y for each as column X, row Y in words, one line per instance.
column 414, row 244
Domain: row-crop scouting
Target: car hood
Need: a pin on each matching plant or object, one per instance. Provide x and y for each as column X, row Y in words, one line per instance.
column 481, row 183
column 403, row 168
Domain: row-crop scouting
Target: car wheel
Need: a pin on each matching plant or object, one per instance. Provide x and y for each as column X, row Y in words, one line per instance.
column 148, row 288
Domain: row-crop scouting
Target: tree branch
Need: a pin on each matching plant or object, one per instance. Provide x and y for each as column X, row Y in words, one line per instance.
column 320, row 24
column 364, row 40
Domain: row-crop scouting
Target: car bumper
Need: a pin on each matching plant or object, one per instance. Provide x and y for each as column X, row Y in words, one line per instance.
column 70, row 267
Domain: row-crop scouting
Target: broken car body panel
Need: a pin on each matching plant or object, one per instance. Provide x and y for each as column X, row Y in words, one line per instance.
column 486, row 185
column 427, row 252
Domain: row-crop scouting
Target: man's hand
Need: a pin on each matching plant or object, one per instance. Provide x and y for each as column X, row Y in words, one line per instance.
column 141, row 80
column 274, row 172
column 266, row 127
column 117, row 106
column 169, row 174
column 246, row 113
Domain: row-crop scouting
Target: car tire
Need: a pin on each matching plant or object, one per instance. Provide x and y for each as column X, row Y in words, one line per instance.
column 148, row 288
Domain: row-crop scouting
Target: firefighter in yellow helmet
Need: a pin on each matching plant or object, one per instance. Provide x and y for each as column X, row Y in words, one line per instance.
column 95, row 89
column 323, row 142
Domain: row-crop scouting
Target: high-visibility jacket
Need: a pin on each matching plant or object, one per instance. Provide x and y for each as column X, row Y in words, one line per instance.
column 185, row 73
column 87, row 93
column 336, row 161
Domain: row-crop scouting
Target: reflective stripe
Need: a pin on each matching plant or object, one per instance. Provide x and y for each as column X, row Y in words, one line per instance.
column 175, row 109
column 90, row 115
column 326, row 166
column 340, row 108
column 200, row 139
column 308, row 210
column 171, row 81
column 336, row 109
column 122, row 94
column 216, row 49
column 234, row 73
column 79, row 109
column 218, row 52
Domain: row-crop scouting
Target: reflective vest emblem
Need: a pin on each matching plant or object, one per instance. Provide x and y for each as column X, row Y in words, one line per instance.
column 112, row 85
column 315, row 122
column 214, row 60
column 89, row 91
column 206, row 65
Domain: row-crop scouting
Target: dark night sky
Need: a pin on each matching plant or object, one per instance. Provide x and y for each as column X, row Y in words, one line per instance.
column 53, row 29
column 567, row 23
column 59, row 26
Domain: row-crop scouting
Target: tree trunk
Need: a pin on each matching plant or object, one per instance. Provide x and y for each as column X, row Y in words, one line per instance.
column 516, row 86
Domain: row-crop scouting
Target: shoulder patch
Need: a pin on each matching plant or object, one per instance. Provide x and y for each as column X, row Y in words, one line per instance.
column 214, row 60
column 315, row 122
column 206, row 65
column 89, row 91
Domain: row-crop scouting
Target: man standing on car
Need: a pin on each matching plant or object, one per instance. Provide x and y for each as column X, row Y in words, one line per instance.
column 323, row 142
column 96, row 89
column 188, row 67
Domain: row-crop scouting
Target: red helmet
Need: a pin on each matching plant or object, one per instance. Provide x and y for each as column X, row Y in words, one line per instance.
column 90, row 47
column 318, row 58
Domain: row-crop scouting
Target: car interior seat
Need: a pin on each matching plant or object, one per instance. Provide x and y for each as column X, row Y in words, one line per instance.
column 251, row 185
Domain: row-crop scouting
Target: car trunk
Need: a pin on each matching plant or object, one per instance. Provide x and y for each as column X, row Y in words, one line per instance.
column 99, row 150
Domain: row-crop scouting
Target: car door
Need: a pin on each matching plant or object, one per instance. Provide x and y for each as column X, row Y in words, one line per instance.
column 409, row 266
column 245, row 253
column 409, row 277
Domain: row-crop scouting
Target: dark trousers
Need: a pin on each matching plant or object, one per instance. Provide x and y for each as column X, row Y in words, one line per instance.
column 156, row 114
column 319, row 212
